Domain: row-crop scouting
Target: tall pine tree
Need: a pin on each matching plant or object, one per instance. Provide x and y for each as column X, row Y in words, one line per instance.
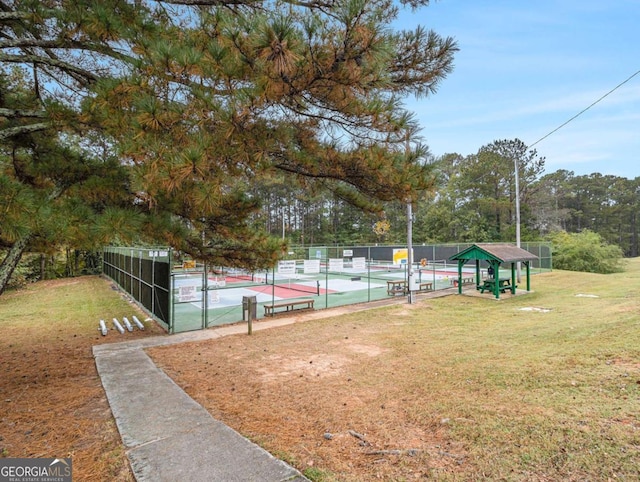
column 203, row 99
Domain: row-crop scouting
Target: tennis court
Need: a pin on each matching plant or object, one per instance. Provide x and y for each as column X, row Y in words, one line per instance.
column 330, row 283
column 184, row 295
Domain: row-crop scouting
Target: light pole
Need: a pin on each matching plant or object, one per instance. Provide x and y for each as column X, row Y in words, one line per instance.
column 409, row 235
column 410, row 251
column 515, row 164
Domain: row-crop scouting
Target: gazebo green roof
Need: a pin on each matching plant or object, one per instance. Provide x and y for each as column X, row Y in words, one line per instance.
column 495, row 255
column 502, row 253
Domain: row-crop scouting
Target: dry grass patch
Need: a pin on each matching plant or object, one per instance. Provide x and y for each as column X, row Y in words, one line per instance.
column 456, row 388
column 53, row 404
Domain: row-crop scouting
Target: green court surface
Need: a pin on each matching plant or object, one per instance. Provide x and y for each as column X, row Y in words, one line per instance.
column 224, row 303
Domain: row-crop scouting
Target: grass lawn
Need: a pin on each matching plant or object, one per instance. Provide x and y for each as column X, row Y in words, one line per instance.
column 544, row 386
column 53, row 404
column 539, row 387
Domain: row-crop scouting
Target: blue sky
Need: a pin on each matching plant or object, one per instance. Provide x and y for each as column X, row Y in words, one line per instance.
column 524, row 68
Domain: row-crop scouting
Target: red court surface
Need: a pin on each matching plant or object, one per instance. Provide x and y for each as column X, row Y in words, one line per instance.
column 285, row 292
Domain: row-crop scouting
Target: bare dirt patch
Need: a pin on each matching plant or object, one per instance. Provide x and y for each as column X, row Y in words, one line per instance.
column 630, row 365
column 342, row 403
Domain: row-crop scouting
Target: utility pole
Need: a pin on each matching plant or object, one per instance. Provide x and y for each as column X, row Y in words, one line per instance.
column 515, row 164
column 409, row 236
column 410, row 250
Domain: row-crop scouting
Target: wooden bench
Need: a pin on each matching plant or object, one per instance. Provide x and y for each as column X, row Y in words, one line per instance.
column 465, row 281
column 290, row 305
column 426, row 286
column 395, row 287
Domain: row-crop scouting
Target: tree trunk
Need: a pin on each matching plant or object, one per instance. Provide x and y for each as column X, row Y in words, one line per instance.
column 11, row 261
column 68, row 269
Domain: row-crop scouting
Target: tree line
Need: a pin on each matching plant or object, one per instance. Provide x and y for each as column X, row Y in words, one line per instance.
column 473, row 200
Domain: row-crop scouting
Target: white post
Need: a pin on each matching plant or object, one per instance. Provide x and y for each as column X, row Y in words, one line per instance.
column 127, row 323
column 118, row 326
column 138, row 322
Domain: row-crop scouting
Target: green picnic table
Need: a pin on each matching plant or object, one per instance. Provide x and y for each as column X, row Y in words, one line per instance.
column 489, row 284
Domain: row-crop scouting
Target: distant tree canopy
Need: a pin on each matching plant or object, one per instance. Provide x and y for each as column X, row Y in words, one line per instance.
column 202, row 101
column 474, row 201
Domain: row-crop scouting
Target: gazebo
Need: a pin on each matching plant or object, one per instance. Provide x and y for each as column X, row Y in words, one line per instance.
column 495, row 255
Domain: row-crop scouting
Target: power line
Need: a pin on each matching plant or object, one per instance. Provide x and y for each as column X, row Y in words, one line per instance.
column 586, row 109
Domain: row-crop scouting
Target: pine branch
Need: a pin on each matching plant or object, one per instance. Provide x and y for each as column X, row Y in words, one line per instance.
column 4, row 16
column 18, row 113
column 212, row 3
column 29, row 42
column 82, row 75
column 26, row 129
column 25, row 43
column 248, row 3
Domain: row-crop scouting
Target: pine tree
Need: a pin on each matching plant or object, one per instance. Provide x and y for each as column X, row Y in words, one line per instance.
column 203, row 99
column 54, row 194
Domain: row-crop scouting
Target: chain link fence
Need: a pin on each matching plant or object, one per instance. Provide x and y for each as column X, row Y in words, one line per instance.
column 145, row 274
column 186, row 295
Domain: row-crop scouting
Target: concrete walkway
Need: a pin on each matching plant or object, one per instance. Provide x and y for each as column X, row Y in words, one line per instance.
column 169, row 436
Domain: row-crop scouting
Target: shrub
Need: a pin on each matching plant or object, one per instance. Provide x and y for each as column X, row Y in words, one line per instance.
column 585, row 251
